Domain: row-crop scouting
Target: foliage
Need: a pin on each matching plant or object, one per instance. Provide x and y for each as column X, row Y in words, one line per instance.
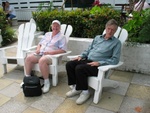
column 139, row 27
column 8, row 34
column 144, row 34
column 45, row 6
column 86, row 23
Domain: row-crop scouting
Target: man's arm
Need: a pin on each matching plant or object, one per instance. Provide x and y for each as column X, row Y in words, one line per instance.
column 86, row 52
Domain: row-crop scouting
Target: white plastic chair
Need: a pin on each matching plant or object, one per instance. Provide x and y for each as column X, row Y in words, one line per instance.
column 25, row 39
column 56, row 59
column 102, row 79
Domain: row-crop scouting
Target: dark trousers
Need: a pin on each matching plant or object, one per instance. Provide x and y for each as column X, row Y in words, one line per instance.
column 78, row 73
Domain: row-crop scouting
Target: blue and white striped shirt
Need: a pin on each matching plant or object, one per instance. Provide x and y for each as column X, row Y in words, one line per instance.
column 49, row 43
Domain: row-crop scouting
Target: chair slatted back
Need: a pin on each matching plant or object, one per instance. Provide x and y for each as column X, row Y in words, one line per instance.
column 25, row 37
column 63, row 28
column 68, row 32
column 121, row 34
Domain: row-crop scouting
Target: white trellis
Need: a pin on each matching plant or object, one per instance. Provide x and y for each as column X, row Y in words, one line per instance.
column 24, row 8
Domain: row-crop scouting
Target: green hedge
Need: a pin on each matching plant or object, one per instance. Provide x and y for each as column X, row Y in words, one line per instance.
column 8, row 34
column 86, row 23
column 89, row 23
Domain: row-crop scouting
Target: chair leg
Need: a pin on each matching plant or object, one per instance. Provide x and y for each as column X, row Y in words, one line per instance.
column 5, row 68
column 54, row 79
column 97, row 95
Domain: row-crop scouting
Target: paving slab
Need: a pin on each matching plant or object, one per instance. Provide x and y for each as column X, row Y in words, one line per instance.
column 131, row 105
column 92, row 109
column 110, row 101
column 121, row 89
column 139, row 91
column 32, row 110
column 12, row 90
column 13, row 106
column 122, row 76
column 69, row 106
column 48, row 103
column 3, row 99
column 141, row 79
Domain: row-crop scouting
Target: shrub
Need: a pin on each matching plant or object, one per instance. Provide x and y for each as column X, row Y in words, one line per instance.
column 86, row 23
column 8, row 34
column 139, row 27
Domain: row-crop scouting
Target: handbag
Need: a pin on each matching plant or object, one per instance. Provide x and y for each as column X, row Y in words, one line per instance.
column 32, row 86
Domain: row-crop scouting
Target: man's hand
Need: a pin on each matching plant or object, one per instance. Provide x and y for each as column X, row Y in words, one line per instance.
column 94, row 63
column 77, row 58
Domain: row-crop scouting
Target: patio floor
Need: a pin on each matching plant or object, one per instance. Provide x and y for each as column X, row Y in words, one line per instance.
column 132, row 95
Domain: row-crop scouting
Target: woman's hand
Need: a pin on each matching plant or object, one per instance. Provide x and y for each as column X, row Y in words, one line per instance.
column 37, row 51
column 49, row 53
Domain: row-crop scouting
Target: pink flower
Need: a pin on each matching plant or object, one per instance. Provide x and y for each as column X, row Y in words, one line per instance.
column 96, row 3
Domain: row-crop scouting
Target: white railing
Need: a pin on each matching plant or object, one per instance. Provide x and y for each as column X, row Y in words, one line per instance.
column 24, row 8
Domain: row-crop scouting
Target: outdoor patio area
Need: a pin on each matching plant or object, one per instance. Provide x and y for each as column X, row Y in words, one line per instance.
column 132, row 95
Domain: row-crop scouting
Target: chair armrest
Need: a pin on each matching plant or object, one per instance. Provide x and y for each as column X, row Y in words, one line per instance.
column 40, row 36
column 38, row 33
column 57, row 58
column 107, row 67
column 72, row 57
column 59, row 55
column 9, row 47
column 30, row 49
column 3, row 50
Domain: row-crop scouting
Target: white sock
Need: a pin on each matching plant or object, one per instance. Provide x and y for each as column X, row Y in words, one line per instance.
column 46, row 81
column 85, row 91
column 27, row 75
column 72, row 87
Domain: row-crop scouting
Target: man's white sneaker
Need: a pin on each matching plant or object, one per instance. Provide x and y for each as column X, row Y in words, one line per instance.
column 46, row 88
column 72, row 93
column 83, row 97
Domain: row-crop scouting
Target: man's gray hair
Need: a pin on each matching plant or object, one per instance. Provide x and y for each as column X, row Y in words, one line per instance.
column 112, row 22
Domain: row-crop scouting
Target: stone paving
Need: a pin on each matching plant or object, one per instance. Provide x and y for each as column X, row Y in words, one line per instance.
column 132, row 95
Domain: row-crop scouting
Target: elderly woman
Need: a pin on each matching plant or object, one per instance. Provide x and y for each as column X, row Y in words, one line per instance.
column 52, row 43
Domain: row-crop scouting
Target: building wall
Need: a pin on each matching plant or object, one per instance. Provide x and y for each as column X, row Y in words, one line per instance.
column 135, row 57
column 24, row 8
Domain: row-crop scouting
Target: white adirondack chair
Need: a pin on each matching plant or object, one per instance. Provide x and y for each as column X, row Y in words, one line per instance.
column 56, row 59
column 37, row 33
column 102, row 79
column 25, row 39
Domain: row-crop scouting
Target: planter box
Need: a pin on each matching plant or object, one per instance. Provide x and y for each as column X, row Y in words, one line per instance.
column 136, row 57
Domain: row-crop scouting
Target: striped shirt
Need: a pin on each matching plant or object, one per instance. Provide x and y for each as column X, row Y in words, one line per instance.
column 49, row 43
column 103, row 51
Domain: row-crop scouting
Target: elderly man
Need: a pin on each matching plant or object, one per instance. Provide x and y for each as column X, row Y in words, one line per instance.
column 53, row 43
column 104, row 50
